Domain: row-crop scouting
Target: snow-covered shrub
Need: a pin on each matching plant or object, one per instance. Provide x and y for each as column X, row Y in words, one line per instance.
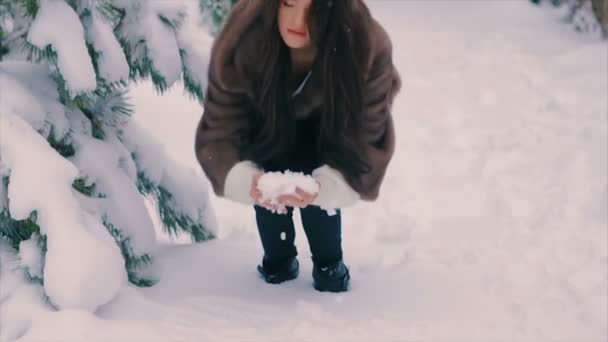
column 214, row 12
column 586, row 16
column 74, row 169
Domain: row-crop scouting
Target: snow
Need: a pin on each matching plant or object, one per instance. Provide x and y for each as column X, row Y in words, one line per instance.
column 58, row 25
column 584, row 19
column 112, row 63
column 172, row 51
column 196, row 44
column 162, row 45
column 75, row 241
column 9, row 263
column 142, row 24
column 174, row 11
column 6, row 22
column 20, row 300
column 272, row 185
column 491, row 224
column 3, row 192
column 31, row 256
column 122, row 204
column 76, row 325
column 33, row 96
column 20, row 309
column 23, row 102
column 190, row 193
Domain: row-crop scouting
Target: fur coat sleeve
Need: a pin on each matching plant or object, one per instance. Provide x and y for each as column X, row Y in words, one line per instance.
column 381, row 85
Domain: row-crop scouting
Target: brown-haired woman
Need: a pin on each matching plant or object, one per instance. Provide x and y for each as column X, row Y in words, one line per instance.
column 300, row 85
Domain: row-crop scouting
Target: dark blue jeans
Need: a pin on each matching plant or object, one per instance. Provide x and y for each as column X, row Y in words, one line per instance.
column 323, row 231
column 277, row 233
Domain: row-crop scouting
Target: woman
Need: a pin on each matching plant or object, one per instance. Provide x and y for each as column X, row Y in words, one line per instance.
column 300, row 85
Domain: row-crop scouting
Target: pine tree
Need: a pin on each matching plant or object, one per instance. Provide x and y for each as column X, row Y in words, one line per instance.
column 214, row 12
column 75, row 171
column 586, row 16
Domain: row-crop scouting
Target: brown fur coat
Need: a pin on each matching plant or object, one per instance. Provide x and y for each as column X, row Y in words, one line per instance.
column 230, row 90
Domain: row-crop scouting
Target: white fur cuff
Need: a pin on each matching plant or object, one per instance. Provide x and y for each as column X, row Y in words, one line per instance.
column 238, row 182
column 334, row 191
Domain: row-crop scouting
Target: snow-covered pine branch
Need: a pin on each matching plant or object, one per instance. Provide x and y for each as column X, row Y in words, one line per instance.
column 74, row 169
column 160, row 43
column 213, row 13
column 586, row 16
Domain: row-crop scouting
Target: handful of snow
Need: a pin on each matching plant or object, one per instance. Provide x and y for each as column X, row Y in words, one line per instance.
column 272, row 185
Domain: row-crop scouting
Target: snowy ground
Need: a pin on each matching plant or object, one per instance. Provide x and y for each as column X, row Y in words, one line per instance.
column 492, row 224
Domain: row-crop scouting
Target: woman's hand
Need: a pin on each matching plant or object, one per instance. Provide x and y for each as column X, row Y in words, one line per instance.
column 300, row 199
column 256, row 194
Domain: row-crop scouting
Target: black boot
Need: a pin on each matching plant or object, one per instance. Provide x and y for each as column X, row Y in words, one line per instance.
column 333, row 277
column 278, row 273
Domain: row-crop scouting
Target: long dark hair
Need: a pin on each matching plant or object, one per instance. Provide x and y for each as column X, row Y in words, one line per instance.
column 337, row 29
